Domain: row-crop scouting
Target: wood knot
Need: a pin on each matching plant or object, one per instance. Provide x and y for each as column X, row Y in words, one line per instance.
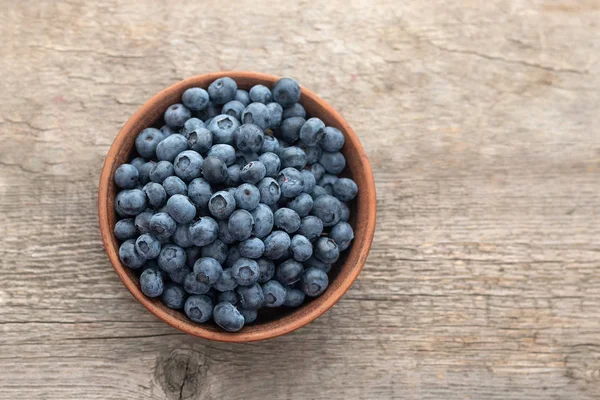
column 180, row 374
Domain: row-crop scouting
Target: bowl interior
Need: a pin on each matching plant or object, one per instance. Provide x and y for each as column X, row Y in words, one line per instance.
column 274, row 322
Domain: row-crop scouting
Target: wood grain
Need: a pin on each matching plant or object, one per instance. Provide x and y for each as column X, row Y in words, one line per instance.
column 481, row 123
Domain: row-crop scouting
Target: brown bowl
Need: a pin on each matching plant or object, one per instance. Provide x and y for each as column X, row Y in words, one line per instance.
column 342, row 274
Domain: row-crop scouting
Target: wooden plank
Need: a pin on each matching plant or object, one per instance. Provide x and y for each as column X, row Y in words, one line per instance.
column 481, row 121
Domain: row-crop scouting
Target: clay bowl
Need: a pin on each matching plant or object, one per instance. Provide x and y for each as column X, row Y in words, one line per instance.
column 342, row 274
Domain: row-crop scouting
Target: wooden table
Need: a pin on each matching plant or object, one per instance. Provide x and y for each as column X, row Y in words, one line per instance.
column 481, row 120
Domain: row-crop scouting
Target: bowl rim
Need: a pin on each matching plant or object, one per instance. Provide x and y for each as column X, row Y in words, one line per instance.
column 367, row 206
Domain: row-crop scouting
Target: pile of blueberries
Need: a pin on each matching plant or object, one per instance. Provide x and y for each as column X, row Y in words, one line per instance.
column 235, row 203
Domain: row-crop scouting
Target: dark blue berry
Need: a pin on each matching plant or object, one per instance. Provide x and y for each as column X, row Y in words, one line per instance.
column 187, row 165
column 156, row 194
column 289, row 272
column 240, row 225
column 251, row 296
column 271, row 162
column 289, row 129
column 251, row 248
column 130, row 202
column 314, row 282
column 334, row 163
column 214, row 170
column 257, row 114
column 168, row 149
column 200, row 140
column 275, row 115
column 247, row 196
column 195, row 98
column 198, row 308
column 147, row 140
column 181, row 209
column 126, row 176
column 327, row 182
column 174, row 185
column 233, row 175
column 228, row 317
column 312, row 132
column 311, row 227
column 204, row 231
column 293, row 157
column 286, row 92
column 309, row 181
column 221, row 205
column 253, row 172
column 173, row 296
column 225, row 281
column 190, row 126
column 295, row 110
column 234, row 108
column 245, row 271
column 345, row 189
column 317, row 170
column 342, row 233
column 316, row 263
column 301, row 248
column 270, row 144
column 249, row 315
column 176, row 115
column 263, row 220
column 277, row 245
column 249, row 137
column 167, row 130
column 138, row 162
column 333, row 139
column 243, row 97
column 179, row 275
column 207, row 270
column 260, row 94
column 222, row 127
column 194, row 286
column 274, row 294
column 224, row 234
column 130, row 256
column 147, row 246
column 160, row 171
column 171, row 258
column 290, row 181
column 269, row 190
column 317, row 192
column 217, row 250
column 266, row 268
column 199, row 192
column 228, row 296
column 151, row 282
column 326, row 250
column 345, row 214
column 222, row 90
column 212, row 110
column 125, row 229
column 293, row 298
column 181, row 237
column 144, row 171
column 162, row 225
column 328, row 209
column 287, row 219
column 302, row 204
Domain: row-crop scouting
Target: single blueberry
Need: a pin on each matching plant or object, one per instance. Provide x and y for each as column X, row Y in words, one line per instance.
column 311, row 227
column 223, row 152
column 176, row 115
column 234, row 108
column 228, row 317
column 179, row 275
column 130, row 202
column 287, row 219
column 224, row 234
column 190, row 126
column 126, row 176
column 243, row 97
column 181, row 237
column 162, row 225
column 125, row 229
column 240, row 225
column 257, row 114
column 181, row 208
column 342, row 233
column 221, row 205
column 316, row 263
column 171, row 258
column 274, row 294
column 260, row 94
column 345, row 189
column 270, row 144
column 173, row 296
column 222, row 90
column 195, row 98
column 289, row 129
column 293, row 156
column 198, row 308
column 289, row 272
column 286, row 92
column 277, row 245
column 271, row 162
column 138, row 162
column 253, row 172
column 160, row 171
column 207, row 270
column 156, row 194
column 225, row 282
column 326, row 250
column 334, row 163
column 200, row 140
column 345, row 214
column 309, row 181
column 245, row 271
column 199, row 192
column 148, row 246
column 217, row 250
column 314, row 282
column 243, row 158
column 214, row 170
column 291, row 182
column 312, row 132
column 204, row 231
column 228, row 296
column 174, row 185
column 317, row 170
column 317, row 192
column 130, row 256
column 275, row 115
column 194, row 286
column 168, row 149
column 249, row 137
column 233, row 175
column 251, row 248
column 167, row 130
column 247, row 196
column 301, row 204
column 223, row 127
column 266, row 268
column 249, row 315
column 263, row 220
column 328, row 209
column 251, row 297
column 301, row 248
column 187, row 165
column 144, row 171
column 313, row 154
column 333, row 139
column 147, row 140
column 151, row 282
column 327, row 182
column 293, row 298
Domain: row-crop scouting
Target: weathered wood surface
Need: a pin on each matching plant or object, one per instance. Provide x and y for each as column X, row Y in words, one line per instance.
column 482, row 123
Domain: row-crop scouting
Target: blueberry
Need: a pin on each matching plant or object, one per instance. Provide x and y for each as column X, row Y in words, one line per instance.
column 245, row 271
column 223, row 152
column 269, row 190
column 181, row 237
column 162, row 224
column 266, row 268
column 326, row 250
column 226, row 281
column 151, row 282
column 243, row 158
column 155, row 193
column 249, row 137
column 263, row 221
column 228, row 296
column 147, row 140
column 333, row 139
column 190, row 126
column 328, row 209
column 168, row 149
column 313, row 154
column 204, row 231
column 249, row 315
column 275, row 115
column 253, row 172
column 193, row 253
column 144, row 171
column 126, row 176
column 345, row 214
column 251, row 248
column 228, row 317
column 327, row 182
column 207, row 270
column 312, row 132
column 291, row 182
column 270, row 144
column 274, row 294
column 217, row 250
column 233, row 175
column 212, row 110
column 334, row 163
column 222, row 90
column 199, row 192
column 198, row 308
column 314, row 282
column 181, row 209
column 345, row 189
column 286, row 92
column 317, row 192
column 195, row 98
column 171, row 258
column 240, row 225
column 147, row 246
column 293, row 297
column 293, row 157
column 174, row 185
column 224, row 234
column 167, row 130
column 160, row 171
column 176, row 115
column 311, row 227
column 342, row 233
column 287, row 219
column 271, row 162
column 301, row 248
column 243, row 97
column 289, row 272
column 247, row 196
column 173, row 296
column 257, row 114
column 309, row 181
column 316, row 263
column 138, row 162
column 317, row 170
column 260, row 94
column 130, row 256
column 251, row 296
column 130, row 202
column 301, row 204
column 193, row 286
column 214, row 170
column 295, row 110
column 125, row 229
column 221, row 205
column 200, row 140
column 179, row 275
column 222, row 127
column 187, row 165
column 234, row 108
column 289, row 130
column 277, row 245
